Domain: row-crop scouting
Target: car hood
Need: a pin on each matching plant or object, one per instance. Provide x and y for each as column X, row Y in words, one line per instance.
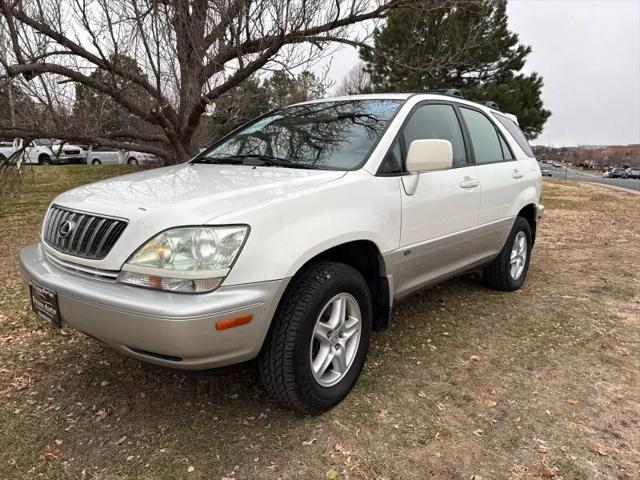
column 190, row 193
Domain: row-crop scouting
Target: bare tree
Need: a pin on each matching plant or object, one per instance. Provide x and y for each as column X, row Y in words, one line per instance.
column 355, row 81
column 185, row 53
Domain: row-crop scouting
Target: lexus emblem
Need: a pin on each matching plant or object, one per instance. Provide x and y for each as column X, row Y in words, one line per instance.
column 66, row 228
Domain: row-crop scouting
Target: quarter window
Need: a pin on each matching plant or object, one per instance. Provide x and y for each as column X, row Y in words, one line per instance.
column 392, row 163
column 437, row 122
column 515, row 132
column 484, row 137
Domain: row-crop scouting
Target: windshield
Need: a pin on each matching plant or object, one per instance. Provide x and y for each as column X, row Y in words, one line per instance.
column 43, row 142
column 336, row 135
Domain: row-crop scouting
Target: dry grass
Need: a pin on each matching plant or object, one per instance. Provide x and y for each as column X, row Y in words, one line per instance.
column 465, row 382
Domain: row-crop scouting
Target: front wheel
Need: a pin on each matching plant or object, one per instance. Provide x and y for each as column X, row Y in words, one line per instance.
column 96, row 161
column 44, row 160
column 509, row 270
column 132, row 161
column 317, row 345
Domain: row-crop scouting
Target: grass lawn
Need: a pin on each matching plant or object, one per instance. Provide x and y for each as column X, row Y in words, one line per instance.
column 466, row 383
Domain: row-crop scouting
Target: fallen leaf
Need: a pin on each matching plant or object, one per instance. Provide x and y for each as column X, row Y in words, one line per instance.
column 477, row 433
column 548, row 472
column 51, row 454
column 331, row 474
column 541, row 449
column 421, row 394
column 101, row 415
column 58, row 442
column 104, row 383
column 190, row 469
column 306, row 443
column 602, row 452
column 118, row 442
column 490, row 403
column 475, row 358
column 572, row 401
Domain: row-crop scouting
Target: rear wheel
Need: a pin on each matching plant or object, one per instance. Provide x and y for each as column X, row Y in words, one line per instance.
column 317, row 345
column 44, row 160
column 132, row 161
column 509, row 270
column 96, row 161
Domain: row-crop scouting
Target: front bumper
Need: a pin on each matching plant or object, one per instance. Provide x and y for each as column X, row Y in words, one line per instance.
column 170, row 329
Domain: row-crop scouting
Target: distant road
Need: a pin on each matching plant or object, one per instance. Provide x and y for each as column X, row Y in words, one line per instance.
column 558, row 173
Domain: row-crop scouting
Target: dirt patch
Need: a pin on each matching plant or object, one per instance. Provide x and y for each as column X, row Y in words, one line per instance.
column 465, row 382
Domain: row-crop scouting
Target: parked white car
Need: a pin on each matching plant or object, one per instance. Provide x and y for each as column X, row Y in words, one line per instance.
column 44, row 151
column 6, row 150
column 97, row 155
column 291, row 239
column 138, row 158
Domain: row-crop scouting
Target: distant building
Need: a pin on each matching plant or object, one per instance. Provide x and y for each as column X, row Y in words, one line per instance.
column 593, row 156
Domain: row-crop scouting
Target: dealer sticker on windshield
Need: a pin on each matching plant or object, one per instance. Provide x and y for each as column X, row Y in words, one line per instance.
column 381, row 106
column 45, row 304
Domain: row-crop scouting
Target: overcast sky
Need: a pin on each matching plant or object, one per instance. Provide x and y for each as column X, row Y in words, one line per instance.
column 588, row 52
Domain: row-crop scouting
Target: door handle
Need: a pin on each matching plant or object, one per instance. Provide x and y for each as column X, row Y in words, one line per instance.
column 469, row 183
column 516, row 174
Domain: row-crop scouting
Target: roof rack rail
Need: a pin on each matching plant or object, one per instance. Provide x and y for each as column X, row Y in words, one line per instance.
column 454, row 92
column 488, row 103
column 451, row 92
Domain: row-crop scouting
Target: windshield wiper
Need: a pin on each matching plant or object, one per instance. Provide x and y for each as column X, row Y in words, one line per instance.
column 269, row 160
column 266, row 161
column 231, row 160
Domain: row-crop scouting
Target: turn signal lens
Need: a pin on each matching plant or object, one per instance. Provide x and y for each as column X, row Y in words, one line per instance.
column 233, row 322
column 184, row 285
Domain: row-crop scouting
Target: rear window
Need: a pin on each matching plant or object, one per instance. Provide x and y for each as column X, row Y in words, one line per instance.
column 515, row 132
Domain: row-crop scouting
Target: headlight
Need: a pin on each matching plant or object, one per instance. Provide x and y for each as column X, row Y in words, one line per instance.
column 186, row 259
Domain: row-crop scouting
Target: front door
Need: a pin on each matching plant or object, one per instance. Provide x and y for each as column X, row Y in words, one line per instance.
column 439, row 209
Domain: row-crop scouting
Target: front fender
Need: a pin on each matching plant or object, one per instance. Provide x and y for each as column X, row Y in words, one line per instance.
column 288, row 232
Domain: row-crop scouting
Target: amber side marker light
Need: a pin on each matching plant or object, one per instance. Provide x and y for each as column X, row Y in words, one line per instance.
column 233, row 322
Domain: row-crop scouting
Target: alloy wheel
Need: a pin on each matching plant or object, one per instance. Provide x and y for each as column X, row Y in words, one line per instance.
column 518, row 255
column 335, row 339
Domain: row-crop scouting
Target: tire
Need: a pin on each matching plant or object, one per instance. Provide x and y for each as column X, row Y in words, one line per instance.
column 285, row 363
column 44, row 160
column 96, row 161
column 132, row 161
column 498, row 275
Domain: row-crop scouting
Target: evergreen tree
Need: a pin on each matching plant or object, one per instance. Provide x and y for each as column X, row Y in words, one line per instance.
column 254, row 98
column 464, row 45
column 93, row 108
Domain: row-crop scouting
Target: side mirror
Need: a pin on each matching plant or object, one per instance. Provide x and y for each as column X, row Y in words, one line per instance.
column 429, row 155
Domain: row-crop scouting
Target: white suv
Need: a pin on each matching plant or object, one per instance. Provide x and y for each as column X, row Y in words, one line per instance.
column 291, row 238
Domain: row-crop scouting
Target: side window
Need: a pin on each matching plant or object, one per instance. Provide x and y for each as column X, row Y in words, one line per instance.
column 484, row 137
column 439, row 122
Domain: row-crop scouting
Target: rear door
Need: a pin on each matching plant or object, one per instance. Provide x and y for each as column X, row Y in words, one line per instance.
column 439, row 209
column 500, row 173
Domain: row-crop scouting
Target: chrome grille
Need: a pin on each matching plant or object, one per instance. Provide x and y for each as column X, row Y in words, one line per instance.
column 95, row 273
column 89, row 236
